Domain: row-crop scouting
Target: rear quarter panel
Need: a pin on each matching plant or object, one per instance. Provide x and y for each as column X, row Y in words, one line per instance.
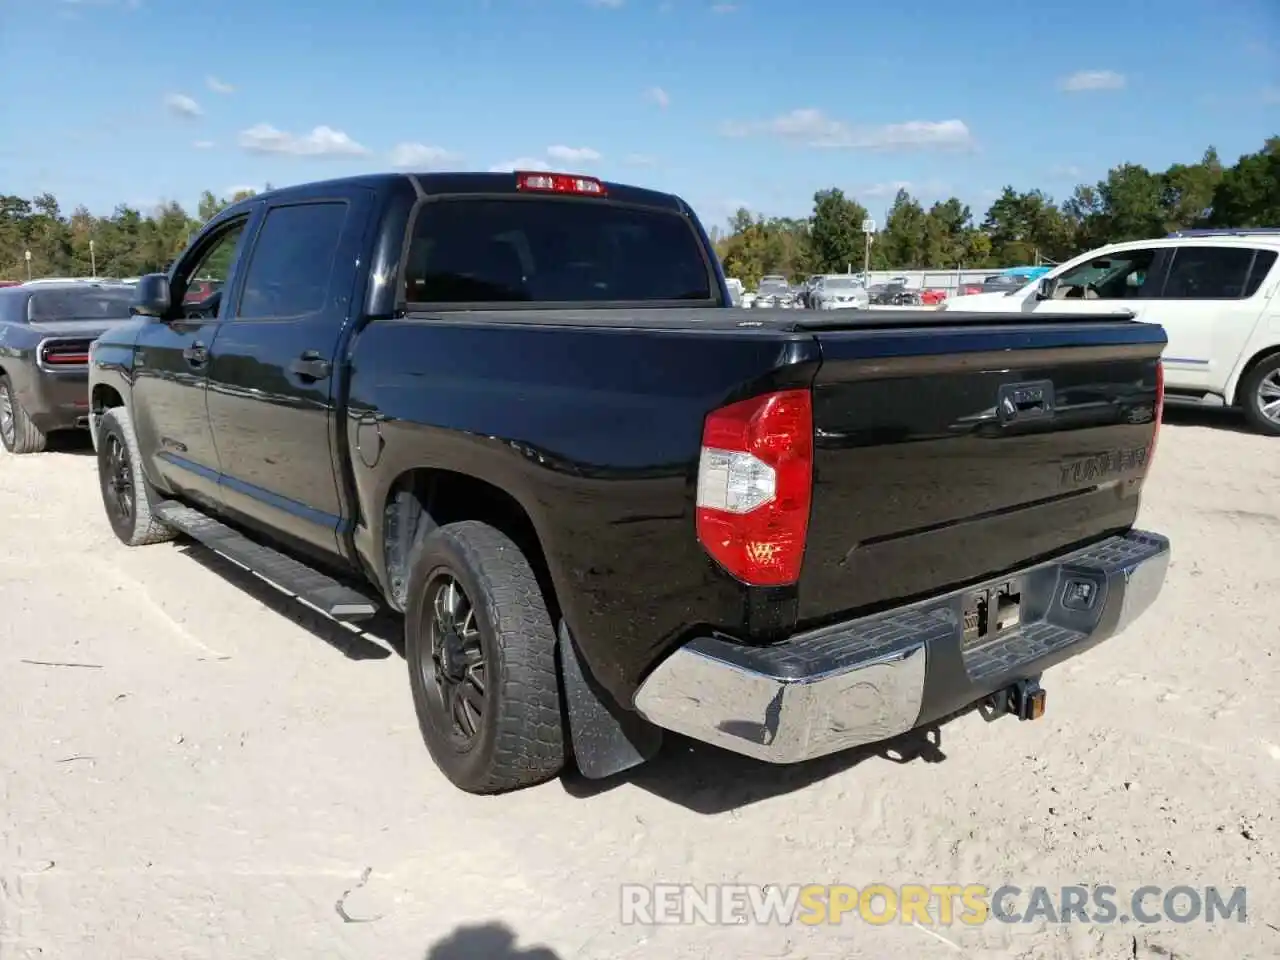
column 596, row 432
column 17, row 355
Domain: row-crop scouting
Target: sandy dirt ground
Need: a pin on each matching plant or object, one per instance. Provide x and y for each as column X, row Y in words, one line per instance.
column 195, row 767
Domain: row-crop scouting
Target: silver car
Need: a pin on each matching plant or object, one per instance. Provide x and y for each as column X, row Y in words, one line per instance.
column 839, row 293
column 775, row 292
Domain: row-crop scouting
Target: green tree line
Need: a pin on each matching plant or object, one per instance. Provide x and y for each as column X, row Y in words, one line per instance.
column 1019, row 228
column 127, row 243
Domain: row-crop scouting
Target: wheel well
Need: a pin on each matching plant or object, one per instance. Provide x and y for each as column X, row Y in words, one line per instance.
column 104, row 398
column 442, row 497
column 1264, row 354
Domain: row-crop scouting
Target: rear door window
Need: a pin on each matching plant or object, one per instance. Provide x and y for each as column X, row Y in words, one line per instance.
column 1209, row 273
column 518, row 250
column 292, row 261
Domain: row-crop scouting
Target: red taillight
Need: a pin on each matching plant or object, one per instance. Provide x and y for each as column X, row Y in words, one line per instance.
column 755, row 484
column 1159, row 411
column 560, row 183
column 65, row 354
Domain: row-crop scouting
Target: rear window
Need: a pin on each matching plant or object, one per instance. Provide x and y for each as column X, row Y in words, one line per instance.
column 92, row 303
column 552, row 251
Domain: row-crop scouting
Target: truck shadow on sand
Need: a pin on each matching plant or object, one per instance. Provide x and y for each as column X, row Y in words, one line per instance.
column 70, row 441
column 1214, row 418
column 708, row 780
column 702, row 778
column 375, row 639
column 486, row 941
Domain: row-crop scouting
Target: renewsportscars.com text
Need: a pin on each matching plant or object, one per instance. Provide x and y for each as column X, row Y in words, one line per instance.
column 927, row 904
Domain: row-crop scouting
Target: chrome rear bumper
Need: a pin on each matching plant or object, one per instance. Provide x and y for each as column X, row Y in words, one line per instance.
column 867, row 680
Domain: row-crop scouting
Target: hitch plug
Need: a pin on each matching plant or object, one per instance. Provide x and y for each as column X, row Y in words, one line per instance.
column 1026, row 700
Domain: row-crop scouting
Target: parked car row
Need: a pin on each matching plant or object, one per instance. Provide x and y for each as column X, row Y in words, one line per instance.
column 513, row 409
column 836, row 292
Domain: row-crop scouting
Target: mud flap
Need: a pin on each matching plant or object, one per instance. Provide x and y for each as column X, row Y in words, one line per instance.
column 606, row 739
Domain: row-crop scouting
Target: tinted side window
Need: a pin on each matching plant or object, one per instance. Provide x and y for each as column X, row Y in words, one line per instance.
column 1263, row 261
column 1208, row 273
column 552, row 250
column 292, row 261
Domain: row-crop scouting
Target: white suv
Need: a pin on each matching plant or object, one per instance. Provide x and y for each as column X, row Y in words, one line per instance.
column 1213, row 291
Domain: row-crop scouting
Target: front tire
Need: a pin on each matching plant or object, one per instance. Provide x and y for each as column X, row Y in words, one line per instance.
column 1260, row 396
column 126, row 495
column 18, row 434
column 482, row 664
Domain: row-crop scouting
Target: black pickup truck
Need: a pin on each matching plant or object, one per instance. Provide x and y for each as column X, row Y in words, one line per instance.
column 521, row 410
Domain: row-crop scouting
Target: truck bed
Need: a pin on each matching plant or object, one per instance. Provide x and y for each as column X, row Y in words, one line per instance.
column 593, row 419
column 740, row 319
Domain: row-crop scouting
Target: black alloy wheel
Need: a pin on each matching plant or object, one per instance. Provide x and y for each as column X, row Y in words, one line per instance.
column 118, row 480
column 454, row 672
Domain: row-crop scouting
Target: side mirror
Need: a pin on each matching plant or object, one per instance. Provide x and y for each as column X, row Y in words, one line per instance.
column 153, row 298
column 1046, row 289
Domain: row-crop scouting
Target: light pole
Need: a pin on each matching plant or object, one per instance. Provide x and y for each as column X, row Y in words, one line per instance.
column 93, row 261
column 868, row 228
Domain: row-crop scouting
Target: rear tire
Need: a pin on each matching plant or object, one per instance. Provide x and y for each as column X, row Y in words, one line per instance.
column 481, row 652
column 18, row 434
column 126, row 494
column 1260, row 396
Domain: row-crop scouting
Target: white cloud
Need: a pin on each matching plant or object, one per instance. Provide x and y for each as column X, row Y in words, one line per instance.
column 639, row 160
column 609, row 4
column 558, row 155
column 659, row 96
column 887, row 189
column 574, row 154
column 520, row 163
column 203, row 144
column 182, row 105
column 420, row 155
column 1066, row 171
column 322, row 141
column 218, row 86
column 724, row 8
column 924, row 190
column 813, row 128
column 1271, row 96
column 1084, row 80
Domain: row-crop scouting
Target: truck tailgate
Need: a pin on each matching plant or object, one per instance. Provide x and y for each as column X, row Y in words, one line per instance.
column 950, row 453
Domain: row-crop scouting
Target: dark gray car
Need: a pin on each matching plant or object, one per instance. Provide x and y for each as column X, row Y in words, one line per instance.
column 45, row 332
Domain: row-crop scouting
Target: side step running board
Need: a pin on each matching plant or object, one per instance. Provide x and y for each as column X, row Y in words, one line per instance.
column 286, row 574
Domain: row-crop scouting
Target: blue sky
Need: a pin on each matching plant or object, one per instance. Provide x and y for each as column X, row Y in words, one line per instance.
column 757, row 103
